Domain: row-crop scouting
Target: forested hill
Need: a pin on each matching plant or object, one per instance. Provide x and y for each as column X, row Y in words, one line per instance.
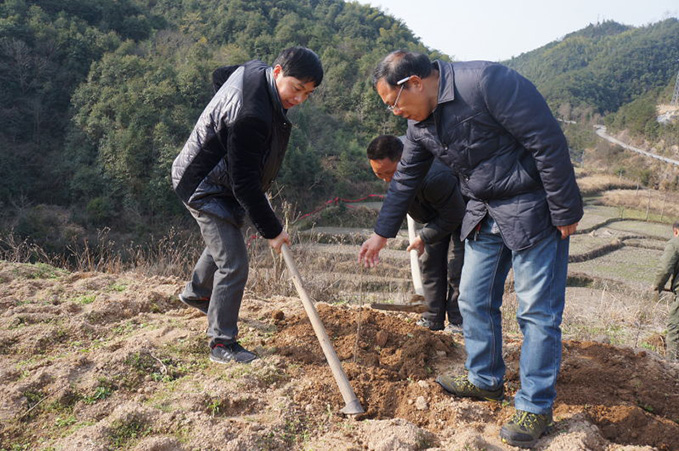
column 604, row 66
column 97, row 98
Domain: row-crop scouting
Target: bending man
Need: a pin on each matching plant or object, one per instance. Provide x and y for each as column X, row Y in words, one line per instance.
column 438, row 205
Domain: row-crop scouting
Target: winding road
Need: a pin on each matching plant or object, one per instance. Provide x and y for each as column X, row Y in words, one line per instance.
column 601, row 131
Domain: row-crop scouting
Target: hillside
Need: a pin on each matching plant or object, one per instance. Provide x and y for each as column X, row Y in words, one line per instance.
column 100, row 361
column 123, row 83
column 604, row 66
column 97, row 98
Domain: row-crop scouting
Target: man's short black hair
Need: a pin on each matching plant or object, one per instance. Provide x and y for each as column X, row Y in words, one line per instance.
column 401, row 64
column 385, row 146
column 675, row 226
column 301, row 63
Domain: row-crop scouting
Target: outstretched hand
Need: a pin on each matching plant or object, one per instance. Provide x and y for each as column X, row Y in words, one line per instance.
column 370, row 251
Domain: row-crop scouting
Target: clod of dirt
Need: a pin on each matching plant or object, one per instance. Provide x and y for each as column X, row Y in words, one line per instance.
column 278, row 315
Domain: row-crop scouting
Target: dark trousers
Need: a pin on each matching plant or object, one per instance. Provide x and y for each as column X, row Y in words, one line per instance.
column 220, row 275
column 441, row 265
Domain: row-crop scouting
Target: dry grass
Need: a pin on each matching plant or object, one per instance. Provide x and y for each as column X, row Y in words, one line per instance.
column 649, row 204
column 597, row 183
column 633, row 317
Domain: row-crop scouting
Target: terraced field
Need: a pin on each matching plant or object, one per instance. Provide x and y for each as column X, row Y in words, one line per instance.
column 612, row 265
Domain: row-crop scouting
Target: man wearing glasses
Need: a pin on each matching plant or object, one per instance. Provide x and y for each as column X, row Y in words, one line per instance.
column 492, row 127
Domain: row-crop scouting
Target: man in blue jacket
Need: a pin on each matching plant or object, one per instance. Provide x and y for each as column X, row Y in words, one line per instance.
column 492, row 127
column 223, row 172
column 438, row 205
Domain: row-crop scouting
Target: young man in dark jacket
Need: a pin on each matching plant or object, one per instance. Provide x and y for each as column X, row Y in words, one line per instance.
column 223, row 172
column 438, row 205
column 668, row 269
column 492, row 127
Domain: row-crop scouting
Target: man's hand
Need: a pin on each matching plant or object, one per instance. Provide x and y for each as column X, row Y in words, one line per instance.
column 277, row 242
column 567, row 230
column 370, row 250
column 418, row 245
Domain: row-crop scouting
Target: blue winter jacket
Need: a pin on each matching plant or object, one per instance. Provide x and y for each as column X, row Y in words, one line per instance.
column 495, row 131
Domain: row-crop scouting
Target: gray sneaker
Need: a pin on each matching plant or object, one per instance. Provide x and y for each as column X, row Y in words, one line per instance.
column 525, row 428
column 460, row 386
column 454, row 328
column 231, row 352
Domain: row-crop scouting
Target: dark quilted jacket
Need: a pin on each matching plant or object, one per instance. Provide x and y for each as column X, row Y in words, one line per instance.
column 438, row 204
column 494, row 129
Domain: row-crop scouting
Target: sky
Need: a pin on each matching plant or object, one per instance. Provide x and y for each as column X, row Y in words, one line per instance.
column 497, row 30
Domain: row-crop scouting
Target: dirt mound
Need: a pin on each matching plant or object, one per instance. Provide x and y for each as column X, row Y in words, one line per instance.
column 632, row 397
column 101, row 362
column 383, row 355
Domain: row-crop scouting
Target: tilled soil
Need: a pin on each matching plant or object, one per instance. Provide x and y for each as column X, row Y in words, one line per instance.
column 95, row 361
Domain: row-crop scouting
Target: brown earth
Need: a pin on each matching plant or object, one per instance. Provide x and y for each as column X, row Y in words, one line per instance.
column 94, row 361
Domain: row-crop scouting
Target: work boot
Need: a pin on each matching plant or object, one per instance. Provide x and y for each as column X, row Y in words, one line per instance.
column 231, row 352
column 201, row 304
column 460, row 386
column 431, row 325
column 525, row 428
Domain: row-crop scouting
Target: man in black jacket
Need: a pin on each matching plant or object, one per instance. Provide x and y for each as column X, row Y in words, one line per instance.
column 223, row 172
column 493, row 128
column 438, row 205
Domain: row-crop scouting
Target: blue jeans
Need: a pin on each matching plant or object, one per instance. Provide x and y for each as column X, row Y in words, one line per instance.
column 540, row 283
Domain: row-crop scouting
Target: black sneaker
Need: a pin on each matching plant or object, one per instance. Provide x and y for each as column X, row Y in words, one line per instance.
column 460, row 386
column 525, row 428
column 201, row 304
column 231, row 352
column 431, row 325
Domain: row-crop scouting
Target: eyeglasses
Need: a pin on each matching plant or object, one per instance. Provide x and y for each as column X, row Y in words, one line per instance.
column 400, row 83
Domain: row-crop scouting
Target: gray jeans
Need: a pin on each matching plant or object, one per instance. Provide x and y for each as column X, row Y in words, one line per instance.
column 220, row 276
column 441, row 266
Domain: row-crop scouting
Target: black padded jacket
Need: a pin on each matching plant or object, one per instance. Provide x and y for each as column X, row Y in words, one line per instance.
column 438, row 204
column 236, row 149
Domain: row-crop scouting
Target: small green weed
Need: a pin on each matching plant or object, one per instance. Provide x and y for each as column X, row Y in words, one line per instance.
column 119, row 287
column 103, row 391
column 84, row 299
column 65, row 421
column 43, row 271
column 123, row 432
